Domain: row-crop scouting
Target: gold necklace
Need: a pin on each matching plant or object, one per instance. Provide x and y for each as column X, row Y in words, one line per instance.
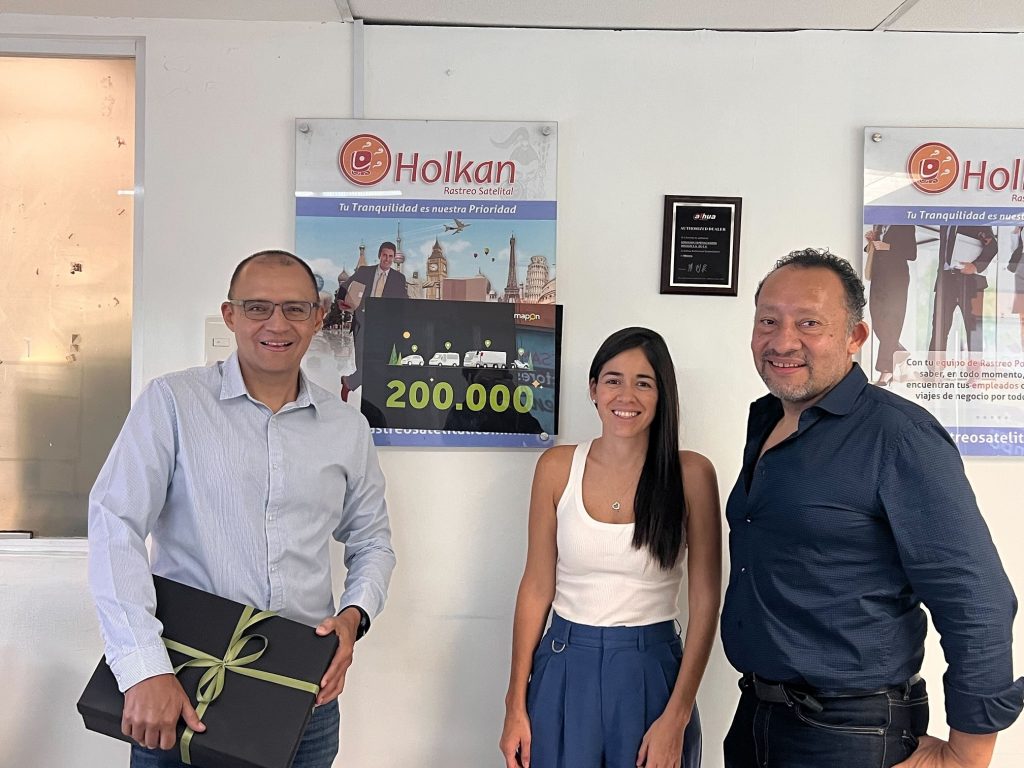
column 616, row 504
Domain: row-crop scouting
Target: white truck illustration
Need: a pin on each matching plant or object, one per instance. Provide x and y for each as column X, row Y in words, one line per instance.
column 485, row 358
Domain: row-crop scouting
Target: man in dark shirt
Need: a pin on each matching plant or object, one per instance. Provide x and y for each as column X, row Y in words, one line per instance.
column 852, row 508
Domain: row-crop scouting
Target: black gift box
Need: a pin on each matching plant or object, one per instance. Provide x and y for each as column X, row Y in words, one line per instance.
column 253, row 723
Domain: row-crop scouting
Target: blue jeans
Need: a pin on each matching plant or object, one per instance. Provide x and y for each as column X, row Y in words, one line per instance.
column 876, row 731
column 318, row 747
column 594, row 692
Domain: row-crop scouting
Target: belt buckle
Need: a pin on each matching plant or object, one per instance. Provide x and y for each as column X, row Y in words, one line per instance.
column 806, row 700
column 773, row 693
column 780, row 693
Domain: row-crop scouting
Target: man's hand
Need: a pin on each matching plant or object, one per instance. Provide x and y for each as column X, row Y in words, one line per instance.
column 662, row 745
column 963, row 750
column 152, row 709
column 969, row 269
column 345, row 626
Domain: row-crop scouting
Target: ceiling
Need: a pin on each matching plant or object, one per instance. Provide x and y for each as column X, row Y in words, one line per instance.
column 880, row 15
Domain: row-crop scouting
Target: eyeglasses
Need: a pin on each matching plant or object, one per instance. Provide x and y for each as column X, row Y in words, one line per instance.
column 263, row 309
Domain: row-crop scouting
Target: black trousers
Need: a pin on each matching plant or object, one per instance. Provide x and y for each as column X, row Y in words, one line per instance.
column 876, row 731
column 888, row 306
column 955, row 289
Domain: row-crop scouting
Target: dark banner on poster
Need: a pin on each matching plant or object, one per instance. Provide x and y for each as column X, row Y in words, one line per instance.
column 449, row 369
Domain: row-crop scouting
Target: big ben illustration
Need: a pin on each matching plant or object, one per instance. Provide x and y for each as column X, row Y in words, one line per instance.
column 437, row 271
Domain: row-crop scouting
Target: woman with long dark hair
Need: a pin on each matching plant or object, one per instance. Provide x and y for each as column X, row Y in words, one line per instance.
column 612, row 523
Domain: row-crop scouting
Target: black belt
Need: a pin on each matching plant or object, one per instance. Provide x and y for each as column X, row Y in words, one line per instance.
column 784, row 693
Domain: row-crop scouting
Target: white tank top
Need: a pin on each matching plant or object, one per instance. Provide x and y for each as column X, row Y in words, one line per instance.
column 600, row 578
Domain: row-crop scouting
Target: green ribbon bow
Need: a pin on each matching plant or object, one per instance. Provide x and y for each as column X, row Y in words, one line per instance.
column 211, row 684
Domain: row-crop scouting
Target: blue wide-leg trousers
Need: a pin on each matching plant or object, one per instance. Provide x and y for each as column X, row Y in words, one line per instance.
column 594, row 692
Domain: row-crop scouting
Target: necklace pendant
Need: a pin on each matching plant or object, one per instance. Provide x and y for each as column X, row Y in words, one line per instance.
column 616, row 506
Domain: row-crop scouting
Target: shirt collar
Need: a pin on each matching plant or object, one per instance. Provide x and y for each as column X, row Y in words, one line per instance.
column 233, row 385
column 843, row 396
column 766, row 412
column 838, row 401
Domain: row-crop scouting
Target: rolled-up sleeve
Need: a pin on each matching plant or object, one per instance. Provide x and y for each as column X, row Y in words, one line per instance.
column 952, row 564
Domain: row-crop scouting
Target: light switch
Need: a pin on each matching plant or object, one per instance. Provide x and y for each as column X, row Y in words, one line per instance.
column 220, row 342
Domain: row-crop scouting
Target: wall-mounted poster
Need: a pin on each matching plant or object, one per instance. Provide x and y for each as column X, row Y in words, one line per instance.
column 390, row 214
column 943, row 212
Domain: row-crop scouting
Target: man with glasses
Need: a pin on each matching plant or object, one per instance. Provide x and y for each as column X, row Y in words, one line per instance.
column 241, row 472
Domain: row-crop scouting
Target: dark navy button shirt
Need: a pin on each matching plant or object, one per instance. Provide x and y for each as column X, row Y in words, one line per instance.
column 841, row 531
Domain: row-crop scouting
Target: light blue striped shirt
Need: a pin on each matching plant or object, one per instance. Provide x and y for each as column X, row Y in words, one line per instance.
column 240, row 502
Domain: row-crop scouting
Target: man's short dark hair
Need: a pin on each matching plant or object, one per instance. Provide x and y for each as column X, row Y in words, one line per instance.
column 274, row 257
column 386, row 244
column 823, row 258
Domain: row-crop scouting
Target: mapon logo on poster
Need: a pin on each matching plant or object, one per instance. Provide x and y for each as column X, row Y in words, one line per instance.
column 366, row 160
column 935, row 167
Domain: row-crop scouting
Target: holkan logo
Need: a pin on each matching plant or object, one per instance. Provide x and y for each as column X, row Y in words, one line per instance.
column 933, row 168
column 365, row 159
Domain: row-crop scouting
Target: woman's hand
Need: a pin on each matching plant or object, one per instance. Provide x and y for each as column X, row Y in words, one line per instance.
column 515, row 740
column 662, row 746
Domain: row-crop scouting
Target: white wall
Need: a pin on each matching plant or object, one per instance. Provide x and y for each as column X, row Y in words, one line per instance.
column 775, row 118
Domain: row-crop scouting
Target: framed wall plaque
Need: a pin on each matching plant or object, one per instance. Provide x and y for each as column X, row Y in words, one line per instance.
column 701, row 245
